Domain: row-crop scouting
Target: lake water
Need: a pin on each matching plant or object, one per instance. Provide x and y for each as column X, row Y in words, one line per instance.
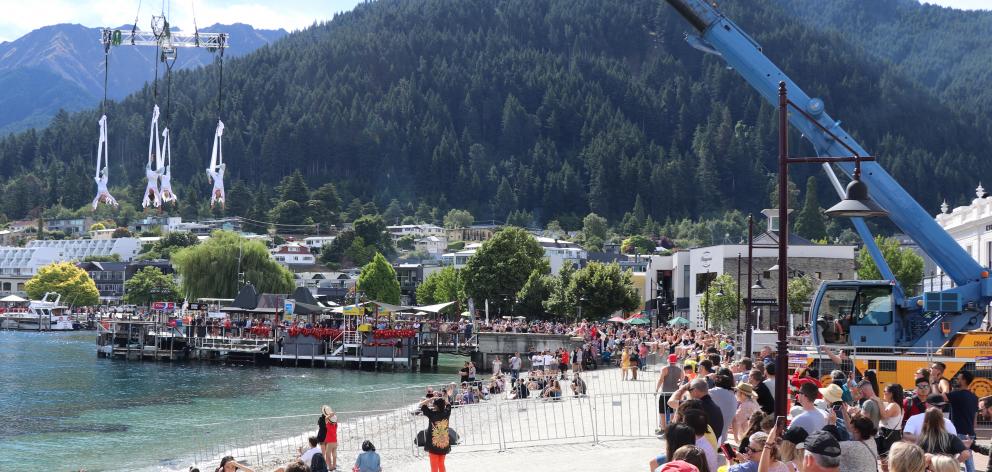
column 62, row 408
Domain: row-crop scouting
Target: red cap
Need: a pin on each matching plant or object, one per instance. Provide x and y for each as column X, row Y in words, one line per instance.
column 678, row 466
column 672, row 358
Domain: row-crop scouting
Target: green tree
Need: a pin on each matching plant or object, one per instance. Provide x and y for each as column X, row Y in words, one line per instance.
column 378, row 281
column 97, row 227
column 294, row 187
column 445, row 285
column 64, row 278
column 637, row 243
column 605, row 288
column 406, row 242
column 328, row 195
column 719, row 302
column 500, row 267
column 211, row 269
column 121, row 233
column 148, row 285
column 595, row 231
column 560, row 302
column 906, row 264
column 800, row 290
column 458, row 219
column 287, row 212
column 505, row 200
column 394, row 213
column 372, row 230
column 106, row 258
column 359, row 253
column 531, row 297
column 810, row 223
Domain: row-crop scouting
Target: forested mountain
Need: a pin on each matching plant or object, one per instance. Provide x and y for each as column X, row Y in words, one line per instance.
column 557, row 108
column 947, row 50
column 61, row 67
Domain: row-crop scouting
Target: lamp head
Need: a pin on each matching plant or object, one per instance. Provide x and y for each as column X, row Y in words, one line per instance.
column 856, row 203
column 758, row 285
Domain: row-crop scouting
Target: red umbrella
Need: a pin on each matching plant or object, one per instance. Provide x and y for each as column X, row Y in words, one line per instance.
column 617, row 319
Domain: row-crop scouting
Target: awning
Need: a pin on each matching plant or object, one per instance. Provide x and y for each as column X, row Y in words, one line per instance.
column 434, row 308
column 390, row 307
column 12, row 299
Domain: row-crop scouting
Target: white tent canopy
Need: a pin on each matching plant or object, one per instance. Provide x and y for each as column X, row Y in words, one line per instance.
column 434, row 308
column 12, row 299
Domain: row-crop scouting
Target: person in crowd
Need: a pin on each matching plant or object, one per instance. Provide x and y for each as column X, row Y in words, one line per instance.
column 746, row 406
column 668, row 383
column 327, row 433
column 624, row 363
column 964, row 412
column 515, row 363
column 916, row 403
column 890, row 424
column 368, row 460
column 914, row 425
column 750, row 454
column 578, row 385
column 839, row 378
column 698, row 390
column 755, row 423
column 871, row 405
column 694, row 456
column 939, row 383
column 722, row 394
column 698, row 421
column 770, row 378
column 765, row 399
column 811, row 419
column 676, row 436
column 822, row 453
column 768, row 459
column 306, row 456
column 940, row 463
column 497, row 365
column 935, row 439
column 907, row 457
column 788, row 448
column 860, row 453
column 437, row 411
column 228, row 464
column 705, row 372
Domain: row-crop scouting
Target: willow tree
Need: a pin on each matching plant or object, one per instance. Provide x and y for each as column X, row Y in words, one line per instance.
column 211, row 269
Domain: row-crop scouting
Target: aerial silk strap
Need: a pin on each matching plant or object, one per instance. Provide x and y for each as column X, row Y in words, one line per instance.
column 102, row 168
column 215, row 173
column 154, row 165
column 165, row 189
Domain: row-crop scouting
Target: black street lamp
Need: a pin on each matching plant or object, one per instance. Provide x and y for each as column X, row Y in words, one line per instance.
column 855, row 204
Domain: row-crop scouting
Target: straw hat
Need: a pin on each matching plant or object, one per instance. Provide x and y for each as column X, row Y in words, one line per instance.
column 746, row 389
column 327, row 411
column 832, row 393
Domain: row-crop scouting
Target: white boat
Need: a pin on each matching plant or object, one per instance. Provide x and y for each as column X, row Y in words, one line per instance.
column 46, row 314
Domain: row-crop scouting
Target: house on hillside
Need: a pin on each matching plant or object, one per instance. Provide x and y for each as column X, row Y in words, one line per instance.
column 293, row 254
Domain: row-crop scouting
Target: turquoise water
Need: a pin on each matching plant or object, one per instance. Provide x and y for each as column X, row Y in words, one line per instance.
column 62, row 408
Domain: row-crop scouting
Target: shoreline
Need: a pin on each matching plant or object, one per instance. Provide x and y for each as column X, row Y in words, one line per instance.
column 614, row 413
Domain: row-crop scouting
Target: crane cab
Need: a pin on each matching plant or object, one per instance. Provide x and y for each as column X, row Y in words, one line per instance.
column 854, row 313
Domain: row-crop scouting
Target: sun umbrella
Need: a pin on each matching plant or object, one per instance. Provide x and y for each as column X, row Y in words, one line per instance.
column 616, row 319
column 638, row 321
column 678, row 321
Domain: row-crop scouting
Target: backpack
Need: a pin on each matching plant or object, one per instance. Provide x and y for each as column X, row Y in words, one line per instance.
column 317, row 463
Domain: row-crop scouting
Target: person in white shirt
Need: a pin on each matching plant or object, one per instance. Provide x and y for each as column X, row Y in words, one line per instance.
column 515, row 366
column 307, row 456
column 497, row 365
column 549, row 362
column 537, row 361
column 915, row 423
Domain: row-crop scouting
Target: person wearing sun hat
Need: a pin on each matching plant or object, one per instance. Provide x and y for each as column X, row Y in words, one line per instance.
column 833, row 396
column 745, row 408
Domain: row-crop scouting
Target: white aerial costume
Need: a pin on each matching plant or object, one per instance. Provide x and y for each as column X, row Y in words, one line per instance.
column 152, row 196
column 102, row 168
column 215, row 173
column 165, row 165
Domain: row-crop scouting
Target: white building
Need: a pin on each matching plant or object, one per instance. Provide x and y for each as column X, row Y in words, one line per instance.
column 971, row 226
column 163, row 224
column 433, row 245
column 398, row 231
column 557, row 252
column 293, row 254
column 78, row 249
column 18, row 264
column 316, row 243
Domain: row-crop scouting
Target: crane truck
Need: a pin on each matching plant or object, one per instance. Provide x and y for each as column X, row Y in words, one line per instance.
column 886, row 329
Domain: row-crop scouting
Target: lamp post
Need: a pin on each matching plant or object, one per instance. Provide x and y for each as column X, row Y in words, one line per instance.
column 738, row 293
column 581, row 301
column 855, row 204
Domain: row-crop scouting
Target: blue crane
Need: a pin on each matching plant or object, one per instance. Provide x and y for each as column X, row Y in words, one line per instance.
column 858, row 312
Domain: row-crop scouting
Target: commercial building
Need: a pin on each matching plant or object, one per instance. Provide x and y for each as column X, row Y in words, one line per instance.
column 110, row 277
column 18, row 264
column 410, row 277
column 79, row 249
column 971, row 226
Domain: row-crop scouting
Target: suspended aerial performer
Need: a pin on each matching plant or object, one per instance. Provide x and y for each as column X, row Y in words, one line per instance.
column 215, row 173
column 102, row 164
column 165, row 188
column 152, row 196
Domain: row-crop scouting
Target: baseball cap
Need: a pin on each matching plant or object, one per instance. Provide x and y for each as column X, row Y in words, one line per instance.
column 936, row 400
column 795, row 435
column 672, row 358
column 823, row 443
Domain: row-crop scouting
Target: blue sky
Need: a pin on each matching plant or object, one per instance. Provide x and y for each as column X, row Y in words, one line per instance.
column 22, row 16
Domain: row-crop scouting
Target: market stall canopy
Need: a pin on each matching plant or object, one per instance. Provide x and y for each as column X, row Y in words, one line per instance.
column 616, row 319
column 678, row 321
column 434, row 308
column 390, row 307
column 353, row 310
column 638, row 321
column 12, row 299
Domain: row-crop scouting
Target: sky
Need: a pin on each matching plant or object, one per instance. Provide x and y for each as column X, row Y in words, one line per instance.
column 22, row 16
